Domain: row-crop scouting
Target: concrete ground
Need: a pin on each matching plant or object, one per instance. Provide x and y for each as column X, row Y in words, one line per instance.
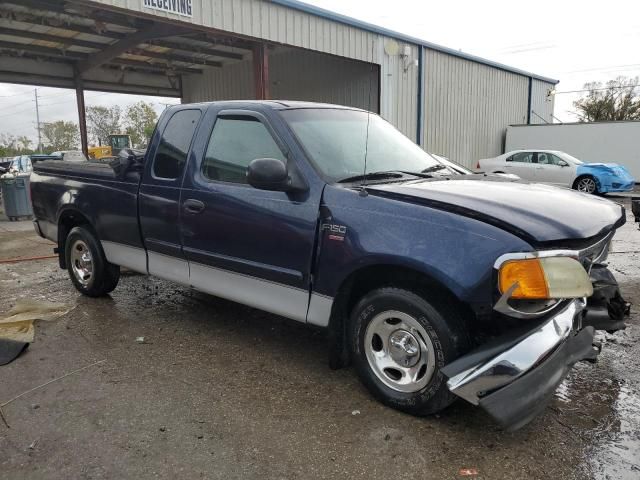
column 221, row 391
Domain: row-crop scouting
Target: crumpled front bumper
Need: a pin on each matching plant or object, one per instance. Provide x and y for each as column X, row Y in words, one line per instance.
column 514, row 378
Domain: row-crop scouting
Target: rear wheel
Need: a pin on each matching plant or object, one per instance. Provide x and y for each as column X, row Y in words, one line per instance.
column 400, row 342
column 87, row 265
column 586, row 184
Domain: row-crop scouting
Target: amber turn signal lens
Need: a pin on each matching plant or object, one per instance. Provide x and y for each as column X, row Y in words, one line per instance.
column 528, row 274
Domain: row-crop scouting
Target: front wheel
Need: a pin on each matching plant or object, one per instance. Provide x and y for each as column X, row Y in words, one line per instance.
column 400, row 343
column 88, row 268
column 586, row 184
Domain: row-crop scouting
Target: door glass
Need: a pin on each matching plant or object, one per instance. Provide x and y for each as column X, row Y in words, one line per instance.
column 544, row 159
column 234, row 144
column 171, row 154
column 555, row 160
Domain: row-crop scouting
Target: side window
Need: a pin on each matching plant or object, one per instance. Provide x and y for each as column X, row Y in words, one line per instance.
column 544, row 158
column 521, row 157
column 555, row 160
column 235, row 142
column 171, row 154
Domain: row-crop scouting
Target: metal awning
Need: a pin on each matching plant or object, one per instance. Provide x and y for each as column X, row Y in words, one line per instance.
column 68, row 44
column 50, row 42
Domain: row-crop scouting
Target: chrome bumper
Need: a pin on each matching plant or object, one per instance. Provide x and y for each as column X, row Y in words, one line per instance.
column 520, row 357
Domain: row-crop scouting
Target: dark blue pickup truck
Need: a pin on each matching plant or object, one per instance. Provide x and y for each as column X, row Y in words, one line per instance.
column 433, row 283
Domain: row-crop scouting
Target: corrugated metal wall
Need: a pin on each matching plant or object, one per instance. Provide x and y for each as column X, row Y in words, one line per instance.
column 303, row 75
column 541, row 103
column 233, row 82
column 466, row 104
column 467, row 107
column 265, row 20
column 295, row 74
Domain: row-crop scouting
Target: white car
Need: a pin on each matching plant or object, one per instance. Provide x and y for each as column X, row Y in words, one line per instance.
column 561, row 169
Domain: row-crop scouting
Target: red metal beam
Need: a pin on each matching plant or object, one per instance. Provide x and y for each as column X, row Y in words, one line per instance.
column 82, row 117
column 261, row 71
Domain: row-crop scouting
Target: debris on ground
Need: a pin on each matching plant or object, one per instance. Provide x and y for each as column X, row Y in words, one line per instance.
column 355, row 412
column 16, row 327
column 2, row 405
column 468, row 472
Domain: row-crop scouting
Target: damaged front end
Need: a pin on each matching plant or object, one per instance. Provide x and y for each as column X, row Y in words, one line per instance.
column 514, row 375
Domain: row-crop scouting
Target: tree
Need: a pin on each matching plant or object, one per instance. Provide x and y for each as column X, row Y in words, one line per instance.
column 25, row 142
column 61, row 135
column 619, row 100
column 140, row 120
column 102, row 122
column 10, row 145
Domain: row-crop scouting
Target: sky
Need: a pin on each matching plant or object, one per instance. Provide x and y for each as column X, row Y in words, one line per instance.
column 573, row 41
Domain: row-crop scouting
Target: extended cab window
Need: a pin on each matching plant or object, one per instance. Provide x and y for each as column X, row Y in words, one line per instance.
column 235, row 142
column 171, row 155
column 522, row 157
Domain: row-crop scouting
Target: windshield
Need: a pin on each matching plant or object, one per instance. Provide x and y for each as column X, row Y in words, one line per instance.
column 336, row 140
column 571, row 158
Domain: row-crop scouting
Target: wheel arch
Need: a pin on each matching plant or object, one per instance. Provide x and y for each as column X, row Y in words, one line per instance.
column 68, row 218
column 367, row 278
column 586, row 175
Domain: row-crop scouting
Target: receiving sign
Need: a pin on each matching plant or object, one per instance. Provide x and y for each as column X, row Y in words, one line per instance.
column 180, row 7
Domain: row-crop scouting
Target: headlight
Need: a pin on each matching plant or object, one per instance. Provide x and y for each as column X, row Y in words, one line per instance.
column 545, row 278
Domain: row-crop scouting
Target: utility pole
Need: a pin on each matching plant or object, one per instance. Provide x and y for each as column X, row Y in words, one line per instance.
column 35, row 91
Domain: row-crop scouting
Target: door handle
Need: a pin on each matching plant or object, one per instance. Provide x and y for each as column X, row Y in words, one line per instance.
column 193, row 206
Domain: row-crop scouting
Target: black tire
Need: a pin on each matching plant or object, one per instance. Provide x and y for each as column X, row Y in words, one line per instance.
column 102, row 277
column 443, row 324
column 586, row 179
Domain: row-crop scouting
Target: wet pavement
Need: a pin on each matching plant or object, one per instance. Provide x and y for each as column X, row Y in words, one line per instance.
column 218, row 390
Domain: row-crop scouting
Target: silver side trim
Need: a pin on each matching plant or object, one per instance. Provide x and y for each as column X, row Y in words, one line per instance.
column 284, row 300
column 272, row 297
column 511, row 364
column 133, row 258
column 168, row 268
column 319, row 310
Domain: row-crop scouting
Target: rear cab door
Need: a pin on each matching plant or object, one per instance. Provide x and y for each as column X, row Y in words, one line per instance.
column 245, row 244
column 159, row 195
column 522, row 164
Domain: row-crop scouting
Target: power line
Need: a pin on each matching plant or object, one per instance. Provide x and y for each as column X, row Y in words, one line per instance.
column 598, row 89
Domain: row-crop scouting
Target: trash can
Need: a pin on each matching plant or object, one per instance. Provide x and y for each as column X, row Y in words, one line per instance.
column 16, row 197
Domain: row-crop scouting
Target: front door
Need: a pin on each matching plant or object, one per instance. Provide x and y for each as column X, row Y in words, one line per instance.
column 244, row 244
column 552, row 169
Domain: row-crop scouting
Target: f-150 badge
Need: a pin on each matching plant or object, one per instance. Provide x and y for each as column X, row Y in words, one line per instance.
column 336, row 232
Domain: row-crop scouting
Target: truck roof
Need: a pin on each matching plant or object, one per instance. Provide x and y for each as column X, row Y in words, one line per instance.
column 273, row 104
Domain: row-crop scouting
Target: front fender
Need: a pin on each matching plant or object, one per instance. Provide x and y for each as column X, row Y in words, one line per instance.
column 458, row 252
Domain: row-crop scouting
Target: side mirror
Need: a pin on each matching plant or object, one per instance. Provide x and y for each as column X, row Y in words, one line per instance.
column 269, row 174
column 562, row 163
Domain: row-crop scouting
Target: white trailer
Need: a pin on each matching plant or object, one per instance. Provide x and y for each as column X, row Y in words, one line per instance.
column 606, row 142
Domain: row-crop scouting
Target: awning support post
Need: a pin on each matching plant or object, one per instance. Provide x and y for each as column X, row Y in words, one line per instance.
column 82, row 118
column 261, row 71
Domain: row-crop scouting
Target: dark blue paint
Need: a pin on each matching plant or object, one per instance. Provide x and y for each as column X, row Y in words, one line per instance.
column 451, row 229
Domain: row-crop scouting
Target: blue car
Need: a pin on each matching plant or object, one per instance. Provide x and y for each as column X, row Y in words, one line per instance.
column 603, row 178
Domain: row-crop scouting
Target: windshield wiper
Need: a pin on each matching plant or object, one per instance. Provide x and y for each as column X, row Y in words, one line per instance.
column 434, row 168
column 374, row 176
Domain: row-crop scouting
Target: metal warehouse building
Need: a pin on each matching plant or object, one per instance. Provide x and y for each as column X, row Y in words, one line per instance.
column 451, row 103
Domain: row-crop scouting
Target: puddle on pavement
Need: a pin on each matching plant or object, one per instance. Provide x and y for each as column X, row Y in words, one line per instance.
column 604, row 412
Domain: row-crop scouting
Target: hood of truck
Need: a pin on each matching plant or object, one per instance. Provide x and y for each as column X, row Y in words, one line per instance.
column 534, row 212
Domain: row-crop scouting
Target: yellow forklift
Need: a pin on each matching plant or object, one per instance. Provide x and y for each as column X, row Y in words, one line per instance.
column 116, row 142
